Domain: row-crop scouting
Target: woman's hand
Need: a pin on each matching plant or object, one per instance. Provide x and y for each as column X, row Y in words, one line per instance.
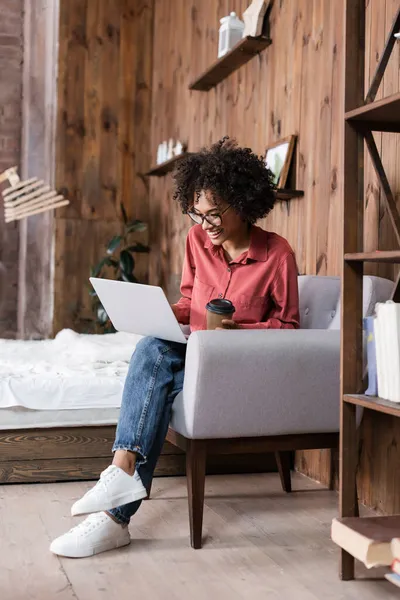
column 228, row 324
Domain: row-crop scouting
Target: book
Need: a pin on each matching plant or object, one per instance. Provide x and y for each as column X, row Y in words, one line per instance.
column 393, row 578
column 371, row 357
column 367, row 539
column 387, row 341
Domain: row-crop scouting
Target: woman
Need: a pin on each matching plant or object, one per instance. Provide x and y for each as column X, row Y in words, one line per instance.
column 224, row 190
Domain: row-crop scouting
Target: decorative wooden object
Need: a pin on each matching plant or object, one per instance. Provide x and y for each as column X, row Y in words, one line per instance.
column 26, row 198
column 240, row 54
column 167, row 166
column 361, row 117
column 253, row 17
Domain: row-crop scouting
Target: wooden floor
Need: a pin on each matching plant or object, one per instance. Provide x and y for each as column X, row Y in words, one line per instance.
column 259, row 544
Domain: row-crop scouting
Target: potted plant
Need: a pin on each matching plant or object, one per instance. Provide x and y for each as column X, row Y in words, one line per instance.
column 118, row 261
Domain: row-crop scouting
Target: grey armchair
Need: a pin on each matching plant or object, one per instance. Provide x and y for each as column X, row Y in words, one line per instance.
column 260, row 391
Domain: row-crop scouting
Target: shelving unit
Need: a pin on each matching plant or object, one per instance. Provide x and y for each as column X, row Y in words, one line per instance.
column 166, row 167
column 240, row 54
column 362, row 116
column 284, row 194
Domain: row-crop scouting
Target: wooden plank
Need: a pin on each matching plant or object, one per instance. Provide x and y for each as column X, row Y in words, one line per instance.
column 383, row 112
column 287, row 195
column 165, row 167
column 351, row 294
column 388, row 256
column 244, row 51
column 86, row 468
column 62, row 442
column 103, row 141
column 374, row 403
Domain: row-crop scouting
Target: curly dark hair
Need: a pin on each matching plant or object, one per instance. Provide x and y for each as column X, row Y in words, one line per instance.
column 233, row 174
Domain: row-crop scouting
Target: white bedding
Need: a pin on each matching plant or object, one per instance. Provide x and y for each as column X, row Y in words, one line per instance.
column 73, row 371
column 23, row 418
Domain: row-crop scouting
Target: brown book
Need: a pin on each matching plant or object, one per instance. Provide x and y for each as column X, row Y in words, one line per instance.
column 367, row 539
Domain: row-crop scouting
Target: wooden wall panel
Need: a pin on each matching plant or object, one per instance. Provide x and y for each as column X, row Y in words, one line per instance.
column 294, row 86
column 103, row 136
column 274, row 95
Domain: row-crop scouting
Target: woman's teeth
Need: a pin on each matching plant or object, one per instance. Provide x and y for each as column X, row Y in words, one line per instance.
column 215, row 234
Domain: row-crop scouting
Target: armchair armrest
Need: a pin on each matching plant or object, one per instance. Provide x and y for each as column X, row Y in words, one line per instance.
column 257, row 382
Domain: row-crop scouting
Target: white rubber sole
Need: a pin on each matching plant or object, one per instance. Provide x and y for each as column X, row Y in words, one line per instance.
column 92, row 550
column 88, row 506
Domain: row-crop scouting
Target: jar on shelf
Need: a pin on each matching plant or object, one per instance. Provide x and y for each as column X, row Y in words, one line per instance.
column 230, row 33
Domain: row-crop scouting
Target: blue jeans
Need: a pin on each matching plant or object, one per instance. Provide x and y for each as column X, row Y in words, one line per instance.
column 154, row 379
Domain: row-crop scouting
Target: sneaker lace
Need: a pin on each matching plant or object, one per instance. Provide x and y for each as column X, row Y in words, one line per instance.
column 89, row 523
column 104, row 479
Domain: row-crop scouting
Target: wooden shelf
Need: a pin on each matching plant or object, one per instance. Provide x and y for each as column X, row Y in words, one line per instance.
column 283, row 194
column 382, row 115
column 374, row 403
column 167, row 166
column 240, row 54
column 384, row 256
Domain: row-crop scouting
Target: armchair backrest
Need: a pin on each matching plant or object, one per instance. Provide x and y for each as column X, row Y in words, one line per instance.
column 320, row 299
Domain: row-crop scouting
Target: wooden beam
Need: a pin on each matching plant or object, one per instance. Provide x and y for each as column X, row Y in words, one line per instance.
column 380, row 172
column 352, row 274
column 35, row 296
column 380, row 69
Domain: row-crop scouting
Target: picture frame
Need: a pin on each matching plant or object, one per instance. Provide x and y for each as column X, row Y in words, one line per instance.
column 278, row 158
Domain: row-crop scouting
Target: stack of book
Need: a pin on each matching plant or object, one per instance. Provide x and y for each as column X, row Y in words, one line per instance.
column 383, row 351
column 394, row 576
column 369, row 539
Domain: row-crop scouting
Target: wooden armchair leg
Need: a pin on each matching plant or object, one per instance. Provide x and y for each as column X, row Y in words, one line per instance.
column 283, row 462
column 195, row 476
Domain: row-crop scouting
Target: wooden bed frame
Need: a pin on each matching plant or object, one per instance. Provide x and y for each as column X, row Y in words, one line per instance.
column 81, row 453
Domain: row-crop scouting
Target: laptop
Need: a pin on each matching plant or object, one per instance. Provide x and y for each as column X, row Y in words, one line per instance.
column 138, row 308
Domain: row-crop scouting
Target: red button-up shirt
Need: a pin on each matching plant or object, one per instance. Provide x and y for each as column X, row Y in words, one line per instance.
column 261, row 283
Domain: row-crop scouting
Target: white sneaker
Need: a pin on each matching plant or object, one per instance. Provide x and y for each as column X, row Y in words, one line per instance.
column 97, row 533
column 114, row 488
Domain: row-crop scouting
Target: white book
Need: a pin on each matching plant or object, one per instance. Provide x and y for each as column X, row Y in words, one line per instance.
column 392, row 318
column 379, row 355
column 387, row 332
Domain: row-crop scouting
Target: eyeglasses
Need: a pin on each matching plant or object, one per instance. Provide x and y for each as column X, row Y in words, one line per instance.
column 215, row 219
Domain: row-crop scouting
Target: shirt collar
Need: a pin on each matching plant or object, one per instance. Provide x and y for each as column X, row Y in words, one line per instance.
column 258, row 249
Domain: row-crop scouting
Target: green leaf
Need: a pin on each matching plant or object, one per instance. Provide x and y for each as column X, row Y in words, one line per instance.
column 138, row 248
column 114, row 243
column 102, row 315
column 124, row 215
column 136, row 226
column 128, row 277
column 126, row 262
column 95, row 271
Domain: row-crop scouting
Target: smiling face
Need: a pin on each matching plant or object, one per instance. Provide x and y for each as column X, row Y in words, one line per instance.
column 232, row 226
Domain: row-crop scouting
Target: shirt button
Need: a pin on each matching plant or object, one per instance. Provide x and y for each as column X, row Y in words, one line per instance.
column 219, row 295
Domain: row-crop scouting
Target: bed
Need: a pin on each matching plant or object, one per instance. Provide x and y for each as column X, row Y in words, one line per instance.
column 59, row 405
